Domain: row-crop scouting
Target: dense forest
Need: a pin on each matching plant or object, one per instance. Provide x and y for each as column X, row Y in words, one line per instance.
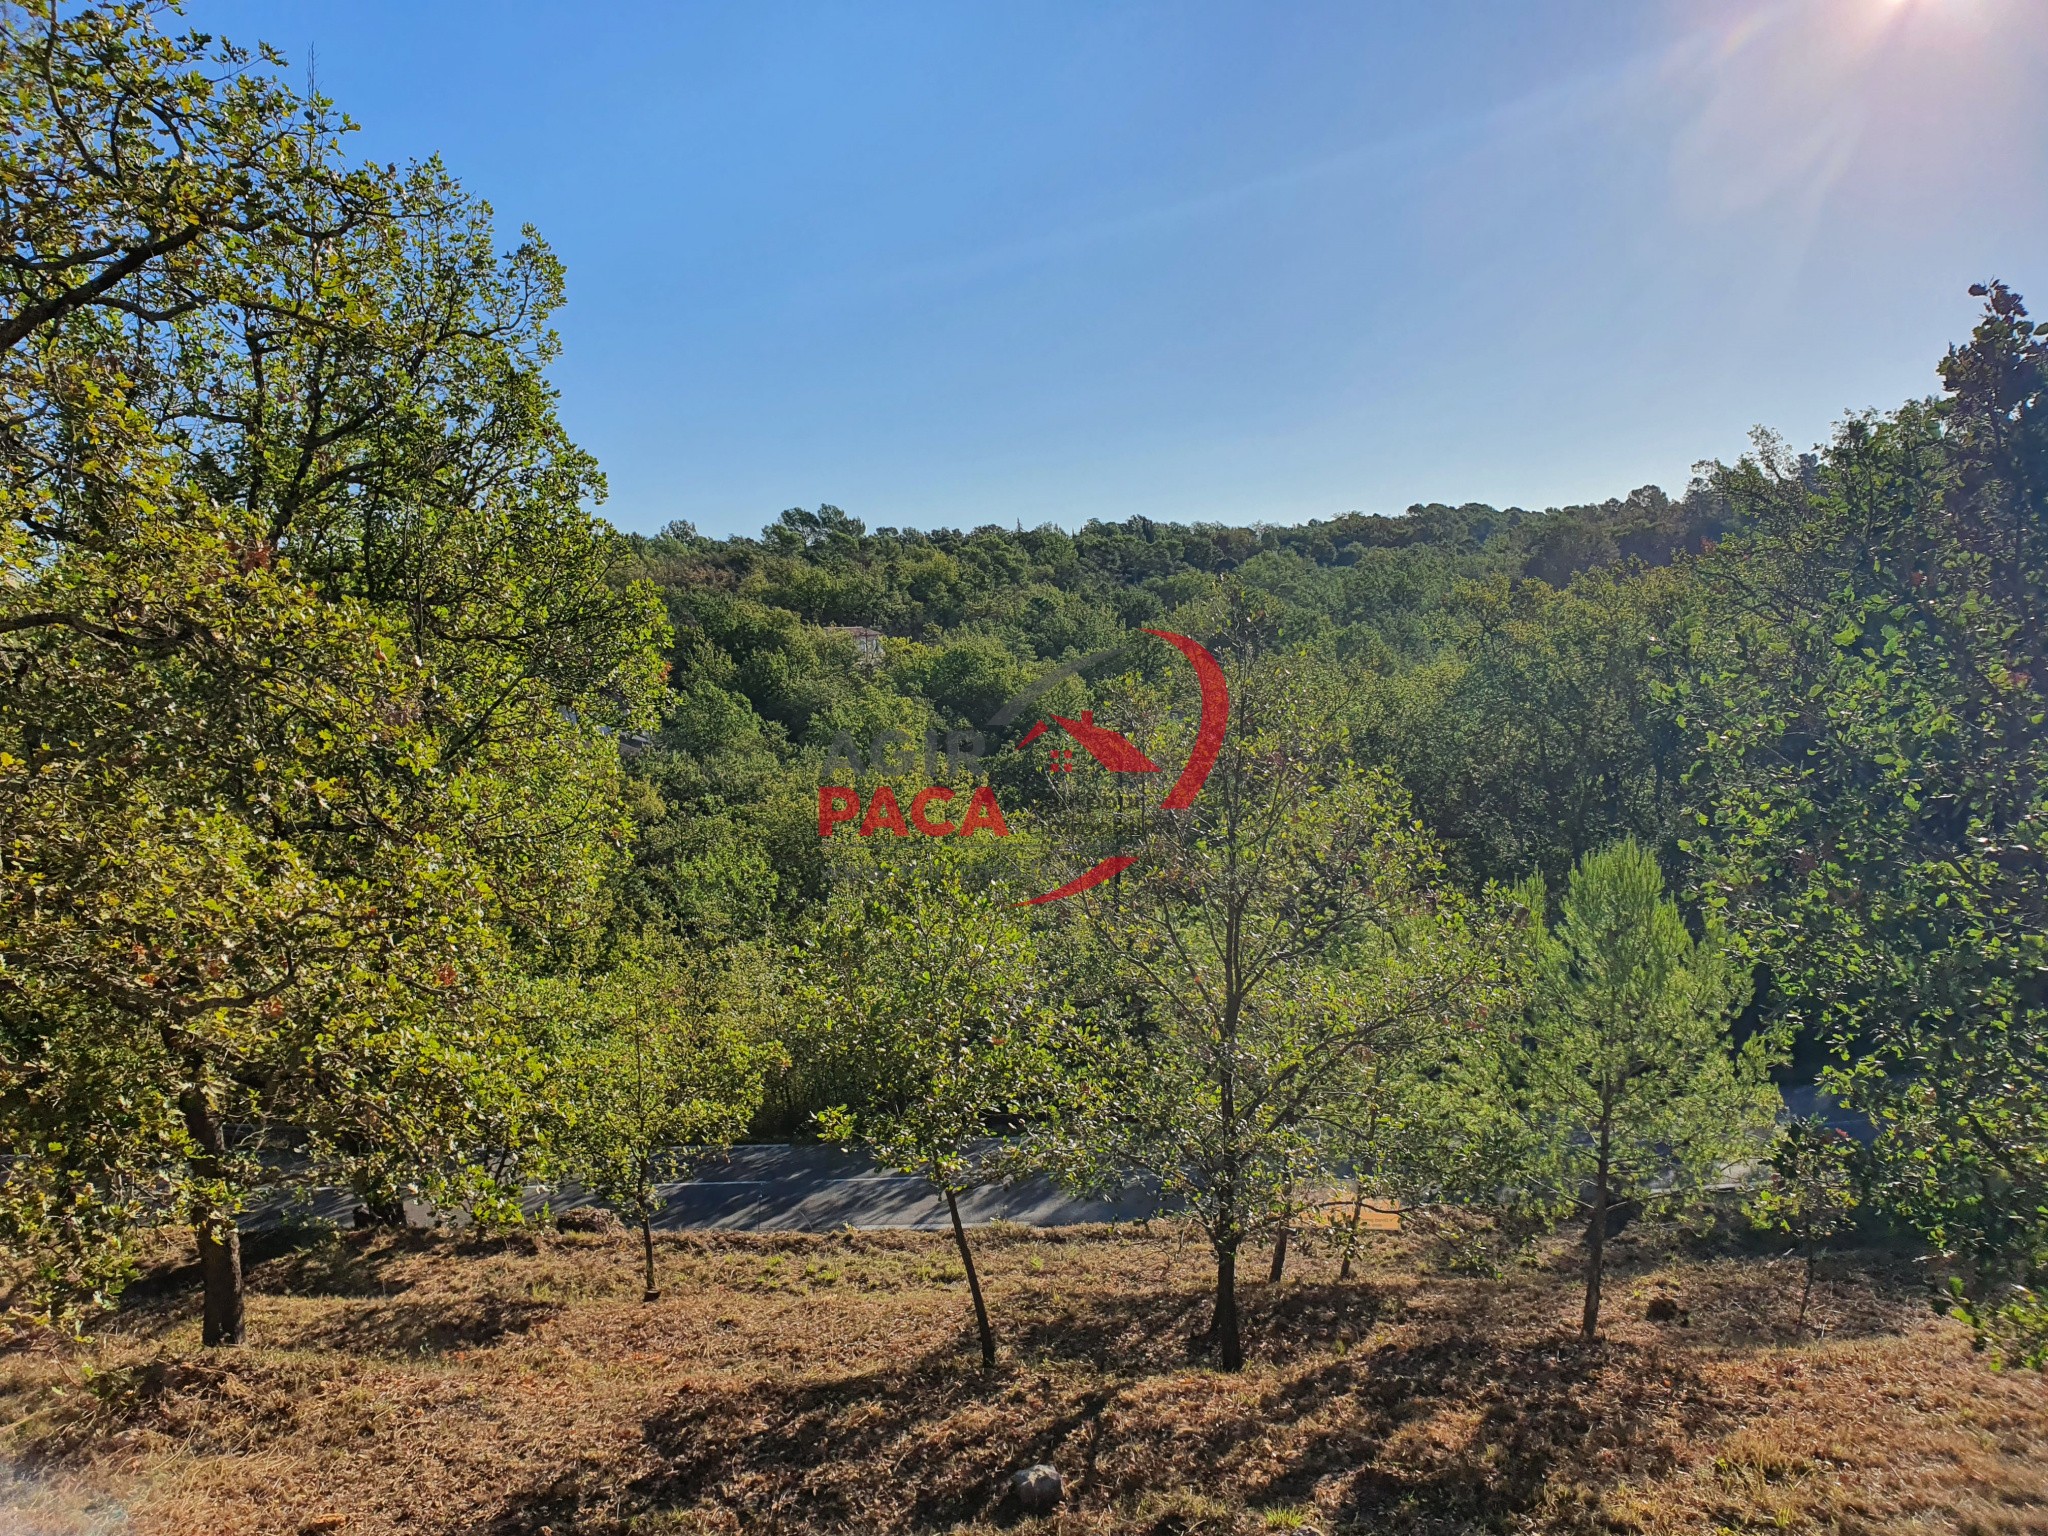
column 1506, row 663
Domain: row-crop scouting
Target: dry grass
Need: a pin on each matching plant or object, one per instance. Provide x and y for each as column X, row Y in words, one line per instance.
column 421, row 1383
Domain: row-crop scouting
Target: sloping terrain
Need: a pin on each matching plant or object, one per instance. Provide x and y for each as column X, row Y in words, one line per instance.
column 414, row 1382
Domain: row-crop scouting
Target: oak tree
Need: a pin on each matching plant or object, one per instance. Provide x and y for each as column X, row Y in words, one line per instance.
column 314, row 653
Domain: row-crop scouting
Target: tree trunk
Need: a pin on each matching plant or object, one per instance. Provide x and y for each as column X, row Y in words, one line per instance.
column 1806, row 1287
column 988, row 1334
column 1596, row 1253
column 1280, row 1238
column 1351, row 1236
column 376, row 1211
column 220, row 1242
column 1229, row 1348
column 648, row 1293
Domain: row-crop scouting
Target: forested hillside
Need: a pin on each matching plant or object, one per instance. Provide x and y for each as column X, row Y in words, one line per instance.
column 1501, row 660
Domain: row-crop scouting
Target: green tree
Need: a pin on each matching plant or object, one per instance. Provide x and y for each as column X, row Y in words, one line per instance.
column 1540, row 732
column 134, row 163
column 931, row 983
column 1627, row 1084
column 314, row 656
column 311, row 970
column 1271, row 944
column 1401, row 1122
column 666, row 1071
column 1812, row 1194
column 1868, row 685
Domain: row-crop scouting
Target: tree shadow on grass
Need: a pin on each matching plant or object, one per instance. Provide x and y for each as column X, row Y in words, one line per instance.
column 1285, row 1323
column 1166, row 1330
column 1469, row 1424
column 1128, row 1333
column 1751, row 1302
column 930, row 1444
column 361, row 1263
column 366, row 1266
column 425, row 1327
column 310, row 1257
column 1462, row 1431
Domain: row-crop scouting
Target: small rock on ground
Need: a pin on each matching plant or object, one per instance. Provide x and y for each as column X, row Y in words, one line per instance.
column 1037, row 1488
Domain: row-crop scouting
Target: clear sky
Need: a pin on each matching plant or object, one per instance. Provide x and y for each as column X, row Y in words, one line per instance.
column 967, row 262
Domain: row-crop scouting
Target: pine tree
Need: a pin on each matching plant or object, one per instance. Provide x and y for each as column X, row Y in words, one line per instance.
column 1627, row 1084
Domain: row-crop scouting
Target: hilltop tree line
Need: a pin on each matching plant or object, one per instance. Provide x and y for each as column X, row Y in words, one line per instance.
column 372, row 812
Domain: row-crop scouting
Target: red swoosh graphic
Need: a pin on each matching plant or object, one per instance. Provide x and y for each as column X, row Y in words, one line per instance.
column 1215, row 720
column 1108, row 869
column 1107, row 748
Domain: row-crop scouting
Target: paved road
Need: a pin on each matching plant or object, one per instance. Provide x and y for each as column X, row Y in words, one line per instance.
column 773, row 1188
column 1809, row 1099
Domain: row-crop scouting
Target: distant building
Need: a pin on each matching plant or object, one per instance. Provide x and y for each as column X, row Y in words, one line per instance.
column 868, row 642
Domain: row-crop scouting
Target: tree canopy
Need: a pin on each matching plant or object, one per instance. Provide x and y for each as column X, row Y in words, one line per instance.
column 316, row 656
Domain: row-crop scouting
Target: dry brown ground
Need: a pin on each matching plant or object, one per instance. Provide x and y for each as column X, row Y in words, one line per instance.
column 422, row 1383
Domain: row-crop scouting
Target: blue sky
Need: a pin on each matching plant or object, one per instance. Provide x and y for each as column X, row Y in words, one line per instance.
column 975, row 262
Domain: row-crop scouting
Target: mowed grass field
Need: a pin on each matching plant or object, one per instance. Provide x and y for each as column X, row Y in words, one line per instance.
column 429, row 1383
